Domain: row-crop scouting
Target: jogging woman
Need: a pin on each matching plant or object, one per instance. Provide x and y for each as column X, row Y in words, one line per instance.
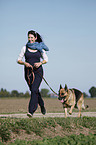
column 35, row 56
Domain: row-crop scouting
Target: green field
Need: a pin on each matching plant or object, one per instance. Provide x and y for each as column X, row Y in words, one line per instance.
column 45, row 131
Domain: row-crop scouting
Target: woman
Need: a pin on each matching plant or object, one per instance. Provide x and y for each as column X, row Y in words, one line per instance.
column 33, row 52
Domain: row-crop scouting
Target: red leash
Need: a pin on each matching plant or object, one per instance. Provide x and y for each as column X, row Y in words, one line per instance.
column 30, row 74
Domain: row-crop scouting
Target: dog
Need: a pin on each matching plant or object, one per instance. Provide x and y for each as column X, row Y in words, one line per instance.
column 71, row 98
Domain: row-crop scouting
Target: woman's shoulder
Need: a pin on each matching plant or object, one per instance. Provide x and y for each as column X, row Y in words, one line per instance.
column 24, row 48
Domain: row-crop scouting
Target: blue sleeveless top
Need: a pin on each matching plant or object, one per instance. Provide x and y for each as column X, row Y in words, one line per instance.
column 31, row 58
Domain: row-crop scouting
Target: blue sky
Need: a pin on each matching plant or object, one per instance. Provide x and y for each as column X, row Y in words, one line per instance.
column 68, row 28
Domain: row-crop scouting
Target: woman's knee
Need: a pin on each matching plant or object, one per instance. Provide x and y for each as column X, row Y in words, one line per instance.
column 34, row 91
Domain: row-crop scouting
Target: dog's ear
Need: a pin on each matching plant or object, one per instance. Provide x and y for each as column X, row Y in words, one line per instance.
column 60, row 86
column 66, row 88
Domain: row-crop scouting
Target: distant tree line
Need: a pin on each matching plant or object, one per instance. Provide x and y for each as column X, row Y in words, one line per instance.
column 44, row 92
column 14, row 93
column 92, row 91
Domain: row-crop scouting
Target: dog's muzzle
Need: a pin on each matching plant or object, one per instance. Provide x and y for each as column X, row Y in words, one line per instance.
column 62, row 99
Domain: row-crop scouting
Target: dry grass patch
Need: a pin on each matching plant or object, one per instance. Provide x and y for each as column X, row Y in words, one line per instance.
column 20, row 105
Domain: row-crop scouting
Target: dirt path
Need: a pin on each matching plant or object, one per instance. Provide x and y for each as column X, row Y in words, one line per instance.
column 89, row 114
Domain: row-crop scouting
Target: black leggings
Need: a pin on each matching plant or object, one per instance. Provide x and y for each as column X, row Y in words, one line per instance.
column 35, row 94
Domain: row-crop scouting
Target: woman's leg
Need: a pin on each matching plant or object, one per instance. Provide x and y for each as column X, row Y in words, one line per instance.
column 41, row 103
column 40, row 100
column 33, row 104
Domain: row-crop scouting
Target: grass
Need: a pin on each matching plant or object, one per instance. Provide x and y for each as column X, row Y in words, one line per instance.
column 47, row 130
column 66, row 140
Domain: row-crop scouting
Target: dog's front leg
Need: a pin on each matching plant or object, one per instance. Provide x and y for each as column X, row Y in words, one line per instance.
column 65, row 112
column 70, row 112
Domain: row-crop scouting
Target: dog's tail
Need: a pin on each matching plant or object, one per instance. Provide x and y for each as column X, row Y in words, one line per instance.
column 86, row 106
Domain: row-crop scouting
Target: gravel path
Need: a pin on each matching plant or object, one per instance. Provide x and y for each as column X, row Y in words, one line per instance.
column 89, row 114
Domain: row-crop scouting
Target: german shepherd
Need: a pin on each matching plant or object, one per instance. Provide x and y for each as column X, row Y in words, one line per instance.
column 71, row 98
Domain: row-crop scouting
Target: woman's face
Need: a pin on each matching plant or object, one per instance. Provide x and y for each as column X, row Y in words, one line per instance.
column 31, row 38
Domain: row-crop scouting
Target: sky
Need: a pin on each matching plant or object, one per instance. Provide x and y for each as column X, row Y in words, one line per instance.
column 68, row 28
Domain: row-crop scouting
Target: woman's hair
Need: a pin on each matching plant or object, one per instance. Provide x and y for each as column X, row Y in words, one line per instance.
column 39, row 39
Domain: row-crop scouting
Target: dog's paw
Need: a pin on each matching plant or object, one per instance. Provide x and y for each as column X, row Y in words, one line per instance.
column 79, row 115
column 70, row 113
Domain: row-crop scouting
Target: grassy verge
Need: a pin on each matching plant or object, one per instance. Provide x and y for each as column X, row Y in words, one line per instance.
column 66, row 140
column 46, row 131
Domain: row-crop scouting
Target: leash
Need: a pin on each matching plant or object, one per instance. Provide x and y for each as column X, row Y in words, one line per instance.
column 49, row 86
column 42, row 78
column 29, row 75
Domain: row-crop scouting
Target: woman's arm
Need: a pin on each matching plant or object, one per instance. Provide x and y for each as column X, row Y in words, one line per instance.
column 44, row 57
column 20, row 58
column 45, row 60
column 21, row 62
column 24, row 63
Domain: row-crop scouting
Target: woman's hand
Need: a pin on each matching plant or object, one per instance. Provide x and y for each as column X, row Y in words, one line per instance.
column 28, row 65
column 37, row 64
column 24, row 63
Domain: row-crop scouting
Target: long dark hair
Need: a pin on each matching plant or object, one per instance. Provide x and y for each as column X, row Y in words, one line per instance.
column 39, row 38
